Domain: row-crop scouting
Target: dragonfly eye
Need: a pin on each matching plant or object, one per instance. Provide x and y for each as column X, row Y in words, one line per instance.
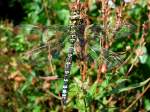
column 75, row 15
column 73, row 36
column 72, row 40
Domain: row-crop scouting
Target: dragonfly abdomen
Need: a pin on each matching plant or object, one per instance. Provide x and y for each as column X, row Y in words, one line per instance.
column 66, row 74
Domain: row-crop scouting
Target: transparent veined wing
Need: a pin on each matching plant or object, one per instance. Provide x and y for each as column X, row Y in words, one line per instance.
column 105, row 56
column 123, row 31
column 112, row 59
column 42, row 45
column 97, row 41
column 46, row 43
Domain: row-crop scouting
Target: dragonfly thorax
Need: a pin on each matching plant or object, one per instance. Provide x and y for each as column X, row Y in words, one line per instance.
column 74, row 23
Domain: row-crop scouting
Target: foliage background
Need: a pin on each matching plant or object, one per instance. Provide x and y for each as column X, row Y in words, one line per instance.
column 21, row 89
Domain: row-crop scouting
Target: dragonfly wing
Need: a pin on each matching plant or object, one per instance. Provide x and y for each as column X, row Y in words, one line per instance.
column 43, row 45
column 96, row 38
column 44, row 33
column 112, row 59
column 99, row 31
column 94, row 31
column 105, row 56
column 124, row 31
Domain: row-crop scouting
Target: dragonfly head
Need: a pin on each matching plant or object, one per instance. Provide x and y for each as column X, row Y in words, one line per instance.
column 77, row 7
column 75, row 10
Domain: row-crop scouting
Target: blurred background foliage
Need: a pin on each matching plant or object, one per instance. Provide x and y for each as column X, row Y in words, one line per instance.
column 23, row 89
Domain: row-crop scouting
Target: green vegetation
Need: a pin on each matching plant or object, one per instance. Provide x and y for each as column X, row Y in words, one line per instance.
column 29, row 85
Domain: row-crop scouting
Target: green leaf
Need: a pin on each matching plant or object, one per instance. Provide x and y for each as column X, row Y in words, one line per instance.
column 121, row 81
column 80, row 105
column 93, row 54
column 92, row 90
column 63, row 16
column 133, row 86
column 147, row 104
column 37, row 108
column 143, row 58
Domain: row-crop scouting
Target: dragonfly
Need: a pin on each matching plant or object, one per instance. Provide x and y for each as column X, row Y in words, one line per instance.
column 47, row 44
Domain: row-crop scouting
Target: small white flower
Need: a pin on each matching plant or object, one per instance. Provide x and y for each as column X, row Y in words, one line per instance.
column 127, row 1
column 111, row 4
